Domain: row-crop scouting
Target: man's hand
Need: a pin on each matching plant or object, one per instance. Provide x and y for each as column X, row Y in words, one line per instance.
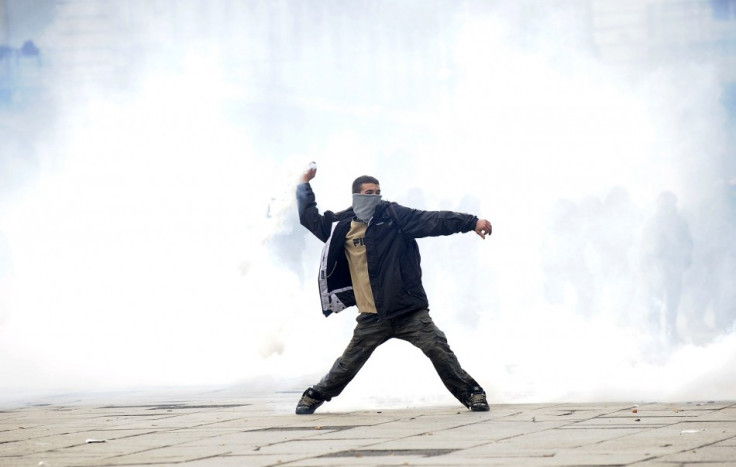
column 310, row 173
column 483, row 228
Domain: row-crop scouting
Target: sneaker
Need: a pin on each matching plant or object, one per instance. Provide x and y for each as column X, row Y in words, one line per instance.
column 309, row 402
column 477, row 402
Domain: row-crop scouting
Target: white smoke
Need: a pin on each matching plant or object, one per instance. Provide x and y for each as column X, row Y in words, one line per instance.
column 155, row 240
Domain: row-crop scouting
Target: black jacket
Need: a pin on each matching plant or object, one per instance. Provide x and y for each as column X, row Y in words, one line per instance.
column 393, row 255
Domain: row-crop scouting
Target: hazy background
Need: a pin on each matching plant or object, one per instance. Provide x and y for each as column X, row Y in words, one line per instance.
column 149, row 153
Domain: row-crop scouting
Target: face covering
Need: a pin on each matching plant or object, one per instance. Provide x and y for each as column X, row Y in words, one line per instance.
column 364, row 206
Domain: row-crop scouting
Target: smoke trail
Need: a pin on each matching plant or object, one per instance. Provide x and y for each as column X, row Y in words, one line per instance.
column 154, row 239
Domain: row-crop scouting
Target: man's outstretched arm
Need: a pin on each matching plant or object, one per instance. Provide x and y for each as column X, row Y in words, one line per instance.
column 417, row 223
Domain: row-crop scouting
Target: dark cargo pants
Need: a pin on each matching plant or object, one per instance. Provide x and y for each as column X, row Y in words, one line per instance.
column 416, row 328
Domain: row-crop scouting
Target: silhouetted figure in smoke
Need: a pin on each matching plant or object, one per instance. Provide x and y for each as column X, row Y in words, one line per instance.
column 617, row 233
column 371, row 260
column 453, row 262
column 5, row 270
column 667, row 254
column 727, row 313
column 711, row 276
column 563, row 258
column 462, row 254
column 591, row 224
column 287, row 241
column 416, row 198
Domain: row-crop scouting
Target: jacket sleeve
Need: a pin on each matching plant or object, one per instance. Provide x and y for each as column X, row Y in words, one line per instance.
column 416, row 223
column 309, row 216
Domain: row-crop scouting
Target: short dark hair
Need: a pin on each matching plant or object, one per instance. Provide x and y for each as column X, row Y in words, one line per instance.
column 358, row 183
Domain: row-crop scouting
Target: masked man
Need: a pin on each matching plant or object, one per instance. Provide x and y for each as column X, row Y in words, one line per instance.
column 371, row 260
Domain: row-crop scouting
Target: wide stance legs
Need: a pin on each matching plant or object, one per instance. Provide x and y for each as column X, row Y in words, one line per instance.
column 416, row 328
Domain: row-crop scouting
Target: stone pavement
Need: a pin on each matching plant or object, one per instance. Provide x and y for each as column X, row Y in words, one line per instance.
column 211, row 428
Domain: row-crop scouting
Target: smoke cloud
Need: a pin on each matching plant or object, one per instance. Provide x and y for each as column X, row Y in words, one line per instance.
column 148, row 227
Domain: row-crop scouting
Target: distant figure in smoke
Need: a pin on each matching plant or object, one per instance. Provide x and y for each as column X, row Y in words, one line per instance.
column 617, row 234
column 288, row 240
column 5, row 271
column 371, row 259
column 710, row 277
column 667, row 251
column 563, row 259
column 460, row 257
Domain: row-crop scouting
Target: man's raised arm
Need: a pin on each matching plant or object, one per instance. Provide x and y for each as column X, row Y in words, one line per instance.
column 309, row 215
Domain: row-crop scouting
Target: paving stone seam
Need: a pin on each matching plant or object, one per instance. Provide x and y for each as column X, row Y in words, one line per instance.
column 683, row 451
column 669, row 454
column 71, row 446
column 467, row 447
column 382, row 441
column 319, row 433
column 57, row 448
column 709, row 444
column 650, row 458
column 210, row 423
column 118, row 456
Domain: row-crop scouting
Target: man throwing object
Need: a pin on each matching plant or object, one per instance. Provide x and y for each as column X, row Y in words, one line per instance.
column 371, row 259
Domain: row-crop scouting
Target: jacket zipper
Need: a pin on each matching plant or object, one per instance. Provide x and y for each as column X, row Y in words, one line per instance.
column 333, row 270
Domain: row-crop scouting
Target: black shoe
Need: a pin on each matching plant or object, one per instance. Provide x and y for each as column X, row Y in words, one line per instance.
column 477, row 402
column 309, row 402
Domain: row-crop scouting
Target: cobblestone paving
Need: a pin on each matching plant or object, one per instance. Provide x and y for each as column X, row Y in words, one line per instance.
column 214, row 429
